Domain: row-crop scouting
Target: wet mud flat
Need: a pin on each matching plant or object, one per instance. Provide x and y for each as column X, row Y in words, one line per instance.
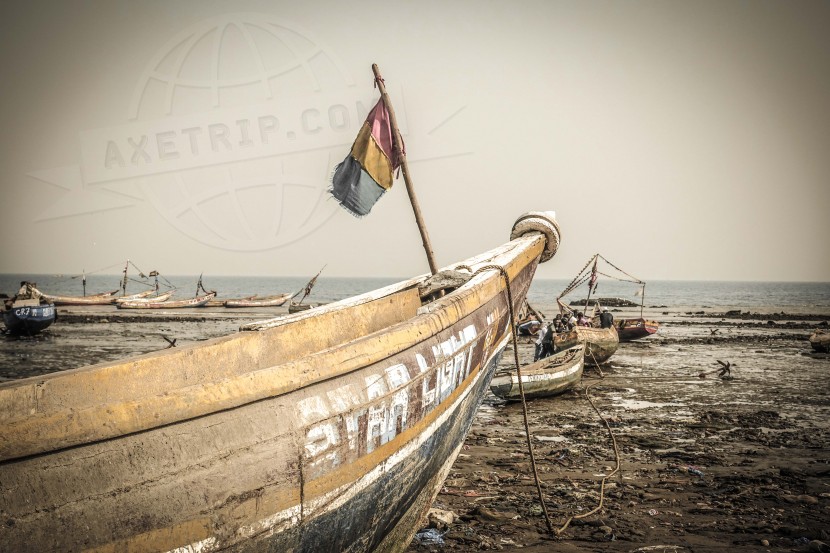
column 705, row 464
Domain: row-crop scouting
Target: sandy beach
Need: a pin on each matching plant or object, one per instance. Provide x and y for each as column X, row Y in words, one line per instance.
column 704, row 464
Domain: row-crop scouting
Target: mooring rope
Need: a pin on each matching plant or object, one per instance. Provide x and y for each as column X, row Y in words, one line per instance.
column 595, row 361
column 607, row 476
column 573, row 285
column 620, row 270
column 521, row 387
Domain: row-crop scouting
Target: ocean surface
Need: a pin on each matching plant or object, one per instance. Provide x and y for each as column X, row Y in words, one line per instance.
column 658, row 294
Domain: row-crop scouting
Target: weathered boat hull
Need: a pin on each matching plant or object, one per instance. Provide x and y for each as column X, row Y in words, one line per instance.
column 547, row 377
column 634, row 329
column 272, row 301
column 330, row 430
column 198, row 301
column 97, row 299
column 299, row 307
column 146, row 298
column 600, row 343
column 29, row 319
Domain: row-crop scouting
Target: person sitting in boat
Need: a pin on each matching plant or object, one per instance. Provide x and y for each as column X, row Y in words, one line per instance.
column 559, row 324
column 582, row 320
column 570, row 322
column 28, row 291
column 606, row 319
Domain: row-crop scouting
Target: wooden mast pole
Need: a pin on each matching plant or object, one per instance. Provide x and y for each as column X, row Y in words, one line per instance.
column 642, row 300
column 585, row 310
column 396, row 145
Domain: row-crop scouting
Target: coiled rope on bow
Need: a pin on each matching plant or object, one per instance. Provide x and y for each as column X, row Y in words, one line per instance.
column 515, row 338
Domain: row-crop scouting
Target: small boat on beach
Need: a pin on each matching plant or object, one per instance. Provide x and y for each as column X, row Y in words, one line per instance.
column 97, row 299
column 546, row 377
column 28, row 316
column 255, row 301
column 300, row 307
column 328, row 430
column 634, row 329
column 198, row 301
column 145, row 296
column 600, row 343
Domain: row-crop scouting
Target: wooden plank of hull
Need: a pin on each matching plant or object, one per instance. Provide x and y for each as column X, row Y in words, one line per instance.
column 634, row 329
column 335, row 441
column 547, row 377
column 600, row 343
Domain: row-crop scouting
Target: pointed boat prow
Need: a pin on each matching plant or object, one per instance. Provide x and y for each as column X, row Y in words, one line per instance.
column 327, row 430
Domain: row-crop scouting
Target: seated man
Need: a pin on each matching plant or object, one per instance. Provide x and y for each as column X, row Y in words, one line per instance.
column 606, row 319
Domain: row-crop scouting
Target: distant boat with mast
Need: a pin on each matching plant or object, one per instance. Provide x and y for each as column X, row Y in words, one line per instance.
column 296, row 307
column 106, row 298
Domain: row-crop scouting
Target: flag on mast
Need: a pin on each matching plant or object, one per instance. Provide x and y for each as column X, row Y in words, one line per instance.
column 368, row 171
column 593, row 282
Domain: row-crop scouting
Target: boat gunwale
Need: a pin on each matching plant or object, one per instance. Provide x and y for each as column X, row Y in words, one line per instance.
column 66, row 427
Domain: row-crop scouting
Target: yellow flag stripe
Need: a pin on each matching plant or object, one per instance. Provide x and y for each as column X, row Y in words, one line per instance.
column 372, row 158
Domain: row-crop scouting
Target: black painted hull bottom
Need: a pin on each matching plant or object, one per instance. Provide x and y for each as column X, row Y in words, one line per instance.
column 384, row 516
column 30, row 324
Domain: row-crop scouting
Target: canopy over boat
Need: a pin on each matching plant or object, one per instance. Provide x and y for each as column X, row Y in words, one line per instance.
column 327, row 430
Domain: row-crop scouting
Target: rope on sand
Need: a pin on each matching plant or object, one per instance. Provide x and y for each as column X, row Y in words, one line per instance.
column 607, row 476
column 521, row 388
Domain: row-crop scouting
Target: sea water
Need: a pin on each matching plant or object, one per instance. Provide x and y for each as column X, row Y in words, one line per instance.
column 543, row 292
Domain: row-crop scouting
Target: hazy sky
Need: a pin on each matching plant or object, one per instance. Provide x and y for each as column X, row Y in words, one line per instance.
column 681, row 140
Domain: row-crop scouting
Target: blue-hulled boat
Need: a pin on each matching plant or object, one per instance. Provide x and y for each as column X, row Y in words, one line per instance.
column 29, row 317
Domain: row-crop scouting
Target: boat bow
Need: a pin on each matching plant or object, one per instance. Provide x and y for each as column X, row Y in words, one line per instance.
column 330, row 429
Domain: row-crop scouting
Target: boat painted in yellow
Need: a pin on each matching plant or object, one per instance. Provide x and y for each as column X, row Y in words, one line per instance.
column 327, row 430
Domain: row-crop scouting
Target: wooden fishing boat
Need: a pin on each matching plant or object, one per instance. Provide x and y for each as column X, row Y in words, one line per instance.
column 220, row 302
column 300, row 307
column 145, row 296
column 97, row 299
column 820, row 341
column 600, row 343
column 28, row 316
column 546, row 377
column 266, row 301
column 198, row 301
column 164, row 296
column 329, row 430
column 634, row 329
